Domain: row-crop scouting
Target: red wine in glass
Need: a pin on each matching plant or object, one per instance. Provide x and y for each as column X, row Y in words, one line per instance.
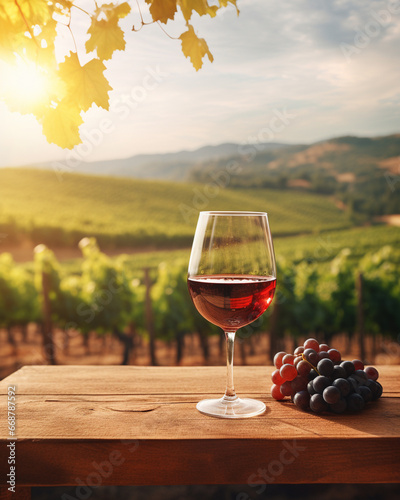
column 231, row 300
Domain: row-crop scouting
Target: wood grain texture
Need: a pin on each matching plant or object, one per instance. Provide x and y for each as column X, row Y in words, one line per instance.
column 70, row 420
column 146, row 380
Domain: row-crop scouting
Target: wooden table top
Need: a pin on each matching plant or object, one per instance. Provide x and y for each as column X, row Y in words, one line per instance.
column 128, row 425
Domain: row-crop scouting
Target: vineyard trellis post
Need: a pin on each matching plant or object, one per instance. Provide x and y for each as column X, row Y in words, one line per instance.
column 10, row 337
column 149, row 316
column 48, row 343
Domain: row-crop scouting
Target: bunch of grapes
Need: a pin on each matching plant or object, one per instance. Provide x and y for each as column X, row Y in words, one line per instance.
column 316, row 378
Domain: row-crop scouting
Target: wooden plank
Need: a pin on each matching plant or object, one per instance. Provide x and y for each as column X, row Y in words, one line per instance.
column 169, row 418
column 153, row 380
column 131, row 380
column 226, row 461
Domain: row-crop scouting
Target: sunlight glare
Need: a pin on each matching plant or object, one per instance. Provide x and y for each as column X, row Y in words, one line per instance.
column 24, row 83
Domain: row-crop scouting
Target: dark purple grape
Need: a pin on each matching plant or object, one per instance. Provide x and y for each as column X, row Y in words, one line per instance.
column 310, row 388
column 317, row 403
column 343, row 385
column 323, row 355
column 339, row 372
column 320, row 383
column 325, row 367
column 302, row 400
column 360, row 376
column 366, row 393
column 380, row 389
column 312, row 375
column 331, row 395
column 354, row 385
column 339, row 407
column 355, row 403
column 376, row 389
column 348, row 366
column 311, row 356
column 299, row 384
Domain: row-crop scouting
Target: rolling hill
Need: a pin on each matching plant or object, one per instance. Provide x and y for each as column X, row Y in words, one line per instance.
column 169, row 166
column 343, row 160
column 362, row 173
column 37, row 207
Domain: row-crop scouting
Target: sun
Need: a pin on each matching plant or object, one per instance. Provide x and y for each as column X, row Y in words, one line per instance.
column 24, row 85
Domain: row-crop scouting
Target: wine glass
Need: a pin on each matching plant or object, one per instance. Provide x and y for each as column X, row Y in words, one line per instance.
column 231, row 280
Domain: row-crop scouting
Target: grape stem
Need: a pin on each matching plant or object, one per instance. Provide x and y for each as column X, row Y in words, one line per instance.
column 314, row 367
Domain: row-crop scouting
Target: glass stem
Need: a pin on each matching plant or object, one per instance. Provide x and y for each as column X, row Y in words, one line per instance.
column 230, row 394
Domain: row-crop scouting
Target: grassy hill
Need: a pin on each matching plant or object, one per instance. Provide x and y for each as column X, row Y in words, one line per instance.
column 36, row 205
column 361, row 172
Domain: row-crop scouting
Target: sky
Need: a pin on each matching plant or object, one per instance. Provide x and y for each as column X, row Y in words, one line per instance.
column 294, row 71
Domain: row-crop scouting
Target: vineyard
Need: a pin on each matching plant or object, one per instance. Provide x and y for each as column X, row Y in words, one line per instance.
column 334, row 280
column 59, row 209
column 318, row 248
column 143, row 308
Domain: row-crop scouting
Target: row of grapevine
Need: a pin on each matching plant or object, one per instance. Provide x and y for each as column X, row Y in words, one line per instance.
column 107, row 298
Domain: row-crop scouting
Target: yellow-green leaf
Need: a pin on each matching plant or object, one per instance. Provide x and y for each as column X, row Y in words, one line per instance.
column 48, row 32
column 224, row 3
column 105, row 38
column 200, row 6
column 162, row 10
column 63, row 7
column 111, row 10
column 30, row 12
column 195, row 48
column 85, row 84
column 61, row 125
column 122, row 10
column 7, row 39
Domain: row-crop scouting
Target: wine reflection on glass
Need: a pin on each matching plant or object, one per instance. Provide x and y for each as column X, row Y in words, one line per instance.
column 231, row 280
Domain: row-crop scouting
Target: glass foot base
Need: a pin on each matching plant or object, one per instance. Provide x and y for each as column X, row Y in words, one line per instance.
column 239, row 408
